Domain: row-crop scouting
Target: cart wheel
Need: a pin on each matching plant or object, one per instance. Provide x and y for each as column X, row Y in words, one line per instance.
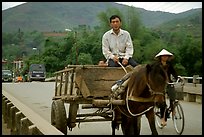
column 58, row 116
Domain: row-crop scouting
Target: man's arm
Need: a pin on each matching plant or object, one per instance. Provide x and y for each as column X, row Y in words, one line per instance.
column 129, row 47
column 173, row 71
column 106, row 49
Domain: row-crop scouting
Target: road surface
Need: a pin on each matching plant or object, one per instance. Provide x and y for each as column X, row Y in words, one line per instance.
column 38, row 96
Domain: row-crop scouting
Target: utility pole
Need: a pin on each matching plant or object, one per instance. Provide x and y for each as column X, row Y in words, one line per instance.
column 75, row 44
column 75, row 37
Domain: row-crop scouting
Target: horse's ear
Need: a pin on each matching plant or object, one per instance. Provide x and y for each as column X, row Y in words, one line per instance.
column 148, row 68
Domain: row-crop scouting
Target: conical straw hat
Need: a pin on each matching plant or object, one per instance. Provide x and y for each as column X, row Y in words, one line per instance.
column 163, row 52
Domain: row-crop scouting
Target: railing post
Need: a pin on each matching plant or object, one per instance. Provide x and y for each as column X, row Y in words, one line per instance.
column 195, row 81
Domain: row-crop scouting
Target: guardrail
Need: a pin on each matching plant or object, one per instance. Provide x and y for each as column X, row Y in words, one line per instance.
column 189, row 92
column 195, row 79
column 192, row 92
column 21, row 120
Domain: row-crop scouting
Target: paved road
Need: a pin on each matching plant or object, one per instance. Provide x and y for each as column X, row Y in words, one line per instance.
column 38, row 96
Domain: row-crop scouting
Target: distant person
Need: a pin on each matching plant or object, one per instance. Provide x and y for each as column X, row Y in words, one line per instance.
column 19, row 78
column 117, row 45
column 102, row 63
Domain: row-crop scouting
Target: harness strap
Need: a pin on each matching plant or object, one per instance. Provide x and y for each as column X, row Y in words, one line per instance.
column 154, row 92
column 128, row 114
column 141, row 99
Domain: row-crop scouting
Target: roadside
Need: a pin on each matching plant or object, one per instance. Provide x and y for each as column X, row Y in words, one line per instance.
column 50, row 79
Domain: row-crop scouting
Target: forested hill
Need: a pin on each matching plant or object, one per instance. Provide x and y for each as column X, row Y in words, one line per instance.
column 191, row 24
column 56, row 16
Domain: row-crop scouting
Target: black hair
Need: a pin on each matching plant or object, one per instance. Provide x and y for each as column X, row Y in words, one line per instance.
column 114, row 16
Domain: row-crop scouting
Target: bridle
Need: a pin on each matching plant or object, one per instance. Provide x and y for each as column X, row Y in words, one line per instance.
column 153, row 92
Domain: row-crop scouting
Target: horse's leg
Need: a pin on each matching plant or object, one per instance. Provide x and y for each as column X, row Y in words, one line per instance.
column 117, row 120
column 151, row 119
column 137, row 125
column 128, row 125
column 113, row 125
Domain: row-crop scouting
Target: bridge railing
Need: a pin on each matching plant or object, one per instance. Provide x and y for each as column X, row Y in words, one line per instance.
column 21, row 120
column 195, row 79
column 192, row 89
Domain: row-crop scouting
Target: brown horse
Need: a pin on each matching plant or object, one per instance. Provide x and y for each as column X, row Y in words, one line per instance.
column 145, row 87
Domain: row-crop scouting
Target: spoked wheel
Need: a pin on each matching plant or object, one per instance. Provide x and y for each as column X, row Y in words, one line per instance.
column 58, row 116
column 178, row 118
column 157, row 117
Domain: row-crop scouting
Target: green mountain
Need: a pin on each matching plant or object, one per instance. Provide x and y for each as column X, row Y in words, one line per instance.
column 57, row 16
column 191, row 24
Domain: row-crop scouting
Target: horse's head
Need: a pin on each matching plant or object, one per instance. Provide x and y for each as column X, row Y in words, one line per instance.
column 156, row 80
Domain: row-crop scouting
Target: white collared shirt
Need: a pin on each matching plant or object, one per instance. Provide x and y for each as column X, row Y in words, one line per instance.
column 113, row 44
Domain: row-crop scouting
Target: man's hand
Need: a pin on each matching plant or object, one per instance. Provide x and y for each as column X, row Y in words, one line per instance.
column 115, row 58
column 125, row 62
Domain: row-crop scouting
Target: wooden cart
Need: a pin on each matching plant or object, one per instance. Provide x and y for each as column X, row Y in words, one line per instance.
column 84, row 87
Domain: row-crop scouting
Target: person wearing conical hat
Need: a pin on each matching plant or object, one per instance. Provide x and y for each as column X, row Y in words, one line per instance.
column 164, row 57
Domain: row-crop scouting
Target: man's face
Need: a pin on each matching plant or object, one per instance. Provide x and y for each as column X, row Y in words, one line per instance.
column 115, row 24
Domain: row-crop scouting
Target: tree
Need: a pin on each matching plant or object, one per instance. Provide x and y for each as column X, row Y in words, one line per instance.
column 132, row 22
column 191, row 56
column 85, row 59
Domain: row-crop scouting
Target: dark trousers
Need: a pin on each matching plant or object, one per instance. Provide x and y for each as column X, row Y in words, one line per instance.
column 172, row 96
column 131, row 62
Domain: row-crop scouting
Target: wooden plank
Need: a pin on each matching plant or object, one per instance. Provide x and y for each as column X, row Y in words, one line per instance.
column 91, row 80
column 82, row 86
column 99, row 80
column 69, row 90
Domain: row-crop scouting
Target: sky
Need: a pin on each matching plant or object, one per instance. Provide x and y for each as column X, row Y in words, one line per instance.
column 172, row 7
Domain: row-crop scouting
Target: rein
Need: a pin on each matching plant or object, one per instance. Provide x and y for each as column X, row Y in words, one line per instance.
column 150, row 99
column 140, row 99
